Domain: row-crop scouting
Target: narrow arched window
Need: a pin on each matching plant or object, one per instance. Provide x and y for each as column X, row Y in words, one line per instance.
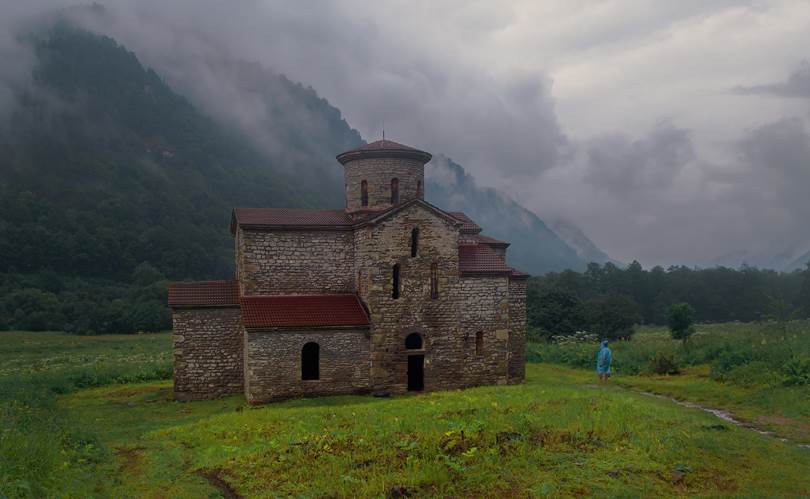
column 434, row 280
column 413, row 341
column 394, row 190
column 414, row 242
column 479, row 342
column 419, row 188
column 364, row 193
column 310, row 360
column 395, row 282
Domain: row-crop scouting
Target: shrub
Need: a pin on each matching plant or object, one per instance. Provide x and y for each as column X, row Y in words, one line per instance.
column 730, row 359
column 752, row 374
column 680, row 318
column 662, row 363
column 796, row 371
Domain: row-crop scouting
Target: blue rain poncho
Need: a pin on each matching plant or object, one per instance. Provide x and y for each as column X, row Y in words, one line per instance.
column 603, row 359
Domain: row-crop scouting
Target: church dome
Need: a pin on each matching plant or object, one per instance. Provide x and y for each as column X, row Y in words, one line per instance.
column 384, row 149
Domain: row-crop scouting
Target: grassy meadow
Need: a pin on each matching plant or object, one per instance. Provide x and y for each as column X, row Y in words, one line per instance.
column 93, row 416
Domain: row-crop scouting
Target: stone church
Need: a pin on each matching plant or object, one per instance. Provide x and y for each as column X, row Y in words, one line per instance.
column 389, row 294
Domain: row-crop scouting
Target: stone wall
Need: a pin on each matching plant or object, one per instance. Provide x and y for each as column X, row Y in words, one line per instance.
column 273, row 363
column 517, row 330
column 381, row 246
column 295, row 262
column 207, row 352
column 378, row 172
column 486, row 309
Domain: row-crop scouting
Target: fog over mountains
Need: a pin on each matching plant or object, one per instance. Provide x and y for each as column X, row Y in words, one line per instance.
column 104, row 141
column 658, row 190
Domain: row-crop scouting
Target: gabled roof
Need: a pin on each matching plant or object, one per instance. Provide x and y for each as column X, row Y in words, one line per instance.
column 204, row 294
column 469, row 226
column 373, row 218
column 383, row 149
column 303, row 311
column 307, row 219
column 290, row 218
column 480, row 259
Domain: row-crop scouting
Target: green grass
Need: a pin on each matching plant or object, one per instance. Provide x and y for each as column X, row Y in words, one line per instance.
column 553, row 435
column 736, row 367
column 560, row 434
column 41, row 452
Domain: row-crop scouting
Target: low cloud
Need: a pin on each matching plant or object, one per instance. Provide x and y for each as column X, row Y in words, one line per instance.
column 614, row 115
column 797, row 85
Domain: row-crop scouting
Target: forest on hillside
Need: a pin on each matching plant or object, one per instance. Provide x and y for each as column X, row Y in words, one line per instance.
column 609, row 301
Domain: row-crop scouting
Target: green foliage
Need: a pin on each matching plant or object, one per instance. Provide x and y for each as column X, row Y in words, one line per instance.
column 612, row 316
column 716, row 294
column 681, row 319
column 42, row 452
column 110, row 183
column 797, row 371
column 663, row 363
column 48, row 301
column 730, row 359
column 556, row 312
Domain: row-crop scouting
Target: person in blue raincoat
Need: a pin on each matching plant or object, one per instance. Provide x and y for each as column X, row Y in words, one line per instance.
column 603, row 361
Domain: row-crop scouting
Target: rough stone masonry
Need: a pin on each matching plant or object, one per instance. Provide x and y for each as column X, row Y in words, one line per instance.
column 390, row 293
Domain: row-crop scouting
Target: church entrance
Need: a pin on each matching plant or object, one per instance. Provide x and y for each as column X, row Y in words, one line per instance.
column 416, row 373
column 416, row 362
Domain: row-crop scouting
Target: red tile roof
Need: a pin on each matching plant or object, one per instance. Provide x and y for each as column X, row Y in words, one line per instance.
column 303, row 311
column 290, row 217
column 490, row 241
column 383, row 149
column 480, row 259
column 469, row 226
column 204, row 294
column 519, row 274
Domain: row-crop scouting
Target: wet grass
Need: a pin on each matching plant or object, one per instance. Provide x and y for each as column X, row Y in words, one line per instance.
column 735, row 367
column 555, row 435
column 560, row 434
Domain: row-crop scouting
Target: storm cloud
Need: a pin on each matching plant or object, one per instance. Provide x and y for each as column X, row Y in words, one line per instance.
column 615, row 115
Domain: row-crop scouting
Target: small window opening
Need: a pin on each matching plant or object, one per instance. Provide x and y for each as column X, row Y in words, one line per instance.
column 479, row 342
column 414, row 242
column 394, row 190
column 359, row 282
column 434, row 280
column 395, row 279
column 419, row 188
column 413, row 341
column 310, row 360
column 364, row 193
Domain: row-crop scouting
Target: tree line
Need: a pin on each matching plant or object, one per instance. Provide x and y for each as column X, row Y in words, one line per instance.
column 608, row 300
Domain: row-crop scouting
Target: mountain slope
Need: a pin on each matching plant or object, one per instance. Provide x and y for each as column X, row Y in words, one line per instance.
column 107, row 167
column 111, row 182
column 576, row 239
column 534, row 247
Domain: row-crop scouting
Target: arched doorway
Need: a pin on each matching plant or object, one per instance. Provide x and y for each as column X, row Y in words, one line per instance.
column 415, row 351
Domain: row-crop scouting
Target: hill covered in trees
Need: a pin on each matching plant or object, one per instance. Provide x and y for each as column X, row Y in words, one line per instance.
column 111, row 183
column 607, row 300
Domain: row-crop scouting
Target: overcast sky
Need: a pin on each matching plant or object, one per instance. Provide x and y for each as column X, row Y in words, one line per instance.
column 669, row 131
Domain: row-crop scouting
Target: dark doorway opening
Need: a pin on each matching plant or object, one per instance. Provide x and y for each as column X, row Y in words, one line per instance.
column 416, row 373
